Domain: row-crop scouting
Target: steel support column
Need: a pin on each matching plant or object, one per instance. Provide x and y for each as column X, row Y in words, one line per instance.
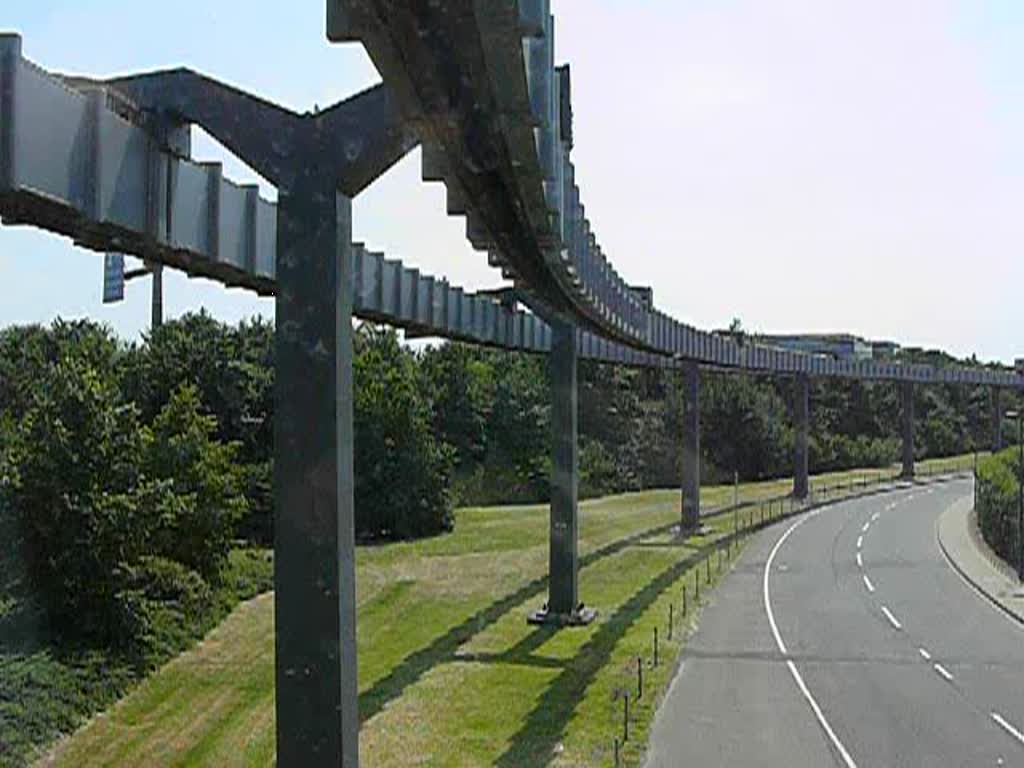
column 691, row 447
column 997, row 420
column 564, row 606
column 157, row 302
column 907, row 389
column 314, row 539
column 801, row 413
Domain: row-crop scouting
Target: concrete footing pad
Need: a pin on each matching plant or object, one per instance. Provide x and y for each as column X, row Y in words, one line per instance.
column 578, row 618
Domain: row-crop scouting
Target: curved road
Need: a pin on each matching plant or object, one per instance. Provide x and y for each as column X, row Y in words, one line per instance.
column 845, row 638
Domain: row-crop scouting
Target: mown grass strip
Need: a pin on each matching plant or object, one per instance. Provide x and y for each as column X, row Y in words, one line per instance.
column 450, row 673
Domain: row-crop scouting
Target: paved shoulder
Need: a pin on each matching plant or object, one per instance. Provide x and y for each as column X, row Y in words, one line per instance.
column 969, row 555
column 844, row 638
column 733, row 701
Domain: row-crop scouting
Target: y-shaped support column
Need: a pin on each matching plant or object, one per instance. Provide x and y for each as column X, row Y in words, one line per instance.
column 691, row 447
column 801, row 413
column 564, row 607
column 908, row 430
column 314, row 533
column 309, row 158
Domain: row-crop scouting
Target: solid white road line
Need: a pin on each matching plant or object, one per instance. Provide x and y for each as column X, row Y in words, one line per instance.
column 1007, row 727
column 944, row 672
column 868, row 584
column 797, row 677
column 985, row 597
column 860, row 561
column 924, row 654
column 860, row 542
column 892, row 619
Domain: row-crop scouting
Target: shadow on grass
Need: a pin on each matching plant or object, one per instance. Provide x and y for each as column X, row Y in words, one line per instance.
column 414, row 666
column 535, row 742
column 521, row 653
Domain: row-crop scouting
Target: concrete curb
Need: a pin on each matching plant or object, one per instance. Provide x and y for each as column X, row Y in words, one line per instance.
column 1009, row 611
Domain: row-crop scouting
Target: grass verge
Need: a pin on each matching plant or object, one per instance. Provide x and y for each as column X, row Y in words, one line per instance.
column 450, row 673
column 47, row 689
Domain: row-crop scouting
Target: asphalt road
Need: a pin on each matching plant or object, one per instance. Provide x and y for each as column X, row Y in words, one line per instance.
column 844, row 638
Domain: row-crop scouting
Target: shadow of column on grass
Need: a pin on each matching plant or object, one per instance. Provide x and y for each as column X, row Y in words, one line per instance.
column 414, row 666
column 535, row 742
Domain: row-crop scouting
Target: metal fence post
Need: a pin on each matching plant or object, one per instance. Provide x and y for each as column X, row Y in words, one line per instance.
column 639, row 678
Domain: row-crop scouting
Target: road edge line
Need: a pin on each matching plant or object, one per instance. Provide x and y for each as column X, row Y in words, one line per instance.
column 1017, row 620
column 797, row 677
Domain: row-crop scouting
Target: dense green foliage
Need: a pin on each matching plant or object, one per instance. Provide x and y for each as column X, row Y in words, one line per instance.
column 394, row 439
column 129, row 473
column 999, row 478
column 118, row 518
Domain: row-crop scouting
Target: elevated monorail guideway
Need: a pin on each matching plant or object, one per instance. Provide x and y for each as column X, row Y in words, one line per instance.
column 107, row 163
column 478, row 82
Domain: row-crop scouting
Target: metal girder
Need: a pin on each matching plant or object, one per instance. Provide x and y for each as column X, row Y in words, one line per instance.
column 314, row 524
column 907, row 428
column 356, row 140
column 479, row 80
column 691, row 448
column 801, row 419
column 91, row 166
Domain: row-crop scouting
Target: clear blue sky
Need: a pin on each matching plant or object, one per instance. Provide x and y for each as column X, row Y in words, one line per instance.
column 854, row 166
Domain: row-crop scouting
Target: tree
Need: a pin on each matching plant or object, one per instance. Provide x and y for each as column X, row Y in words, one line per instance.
column 78, row 497
column 461, row 385
column 402, row 471
column 27, row 351
column 95, row 493
column 182, row 451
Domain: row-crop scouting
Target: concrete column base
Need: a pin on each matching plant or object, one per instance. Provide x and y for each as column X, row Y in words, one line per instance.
column 577, row 618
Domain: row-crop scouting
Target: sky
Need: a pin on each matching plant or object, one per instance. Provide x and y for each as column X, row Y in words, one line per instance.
column 803, row 165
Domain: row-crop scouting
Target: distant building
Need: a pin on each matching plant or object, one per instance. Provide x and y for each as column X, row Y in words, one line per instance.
column 1019, row 365
column 883, row 349
column 841, row 346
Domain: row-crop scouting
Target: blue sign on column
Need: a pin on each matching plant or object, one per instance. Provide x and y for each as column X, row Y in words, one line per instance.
column 113, row 278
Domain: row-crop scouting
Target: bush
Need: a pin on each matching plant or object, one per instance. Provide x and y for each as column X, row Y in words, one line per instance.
column 181, row 449
column 998, row 484
column 160, row 607
column 401, row 469
column 257, row 524
column 74, row 493
column 599, row 474
column 94, row 493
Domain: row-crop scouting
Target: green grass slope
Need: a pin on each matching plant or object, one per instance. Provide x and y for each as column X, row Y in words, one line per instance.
column 450, row 674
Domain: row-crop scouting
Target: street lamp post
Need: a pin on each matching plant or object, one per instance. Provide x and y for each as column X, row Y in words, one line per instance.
column 1020, row 492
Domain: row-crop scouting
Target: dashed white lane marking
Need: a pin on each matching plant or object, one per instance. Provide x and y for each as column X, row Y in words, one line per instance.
column 924, row 654
column 944, row 672
column 892, row 619
column 782, row 649
column 868, row 584
column 874, row 517
column 864, row 528
column 860, row 542
column 860, row 561
column 1007, row 727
